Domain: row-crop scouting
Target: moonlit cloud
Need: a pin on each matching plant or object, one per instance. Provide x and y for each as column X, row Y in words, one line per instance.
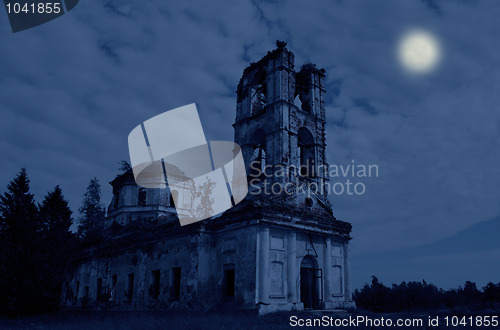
column 419, row 51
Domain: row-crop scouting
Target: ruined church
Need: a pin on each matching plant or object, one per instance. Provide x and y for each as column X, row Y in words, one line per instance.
column 279, row 249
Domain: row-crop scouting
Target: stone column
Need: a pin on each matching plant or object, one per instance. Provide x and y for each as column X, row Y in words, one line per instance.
column 264, row 266
column 327, row 278
column 347, row 273
column 292, row 270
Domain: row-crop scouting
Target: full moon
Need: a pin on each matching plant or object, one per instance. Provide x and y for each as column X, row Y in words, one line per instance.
column 419, row 51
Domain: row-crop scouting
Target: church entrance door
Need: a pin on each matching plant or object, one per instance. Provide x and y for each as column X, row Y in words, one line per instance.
column 311, row 285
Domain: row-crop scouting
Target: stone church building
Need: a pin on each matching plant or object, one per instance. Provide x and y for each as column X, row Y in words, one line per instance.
column 279, row 249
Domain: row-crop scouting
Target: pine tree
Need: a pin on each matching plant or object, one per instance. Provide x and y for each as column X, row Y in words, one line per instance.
column 92, row 212
column 19, row 248
column 56, row 215
column 58, row 244
column 124, row 166
column 18, row 209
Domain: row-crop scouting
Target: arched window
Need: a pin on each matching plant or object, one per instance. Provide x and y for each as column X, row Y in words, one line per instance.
column 141, row 197
column 303, row 91
column 258, row 160
column 258, row 94
column 297, row 102
column 306, row 153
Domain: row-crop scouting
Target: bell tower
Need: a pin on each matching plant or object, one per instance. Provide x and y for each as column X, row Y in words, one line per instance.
column 280, row 121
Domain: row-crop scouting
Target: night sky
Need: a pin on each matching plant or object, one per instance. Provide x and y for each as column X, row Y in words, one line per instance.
column 72, row 89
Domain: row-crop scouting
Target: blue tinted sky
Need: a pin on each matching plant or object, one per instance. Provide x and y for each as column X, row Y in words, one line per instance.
column 72, row 89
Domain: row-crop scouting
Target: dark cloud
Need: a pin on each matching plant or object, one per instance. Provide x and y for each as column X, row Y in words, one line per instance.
column 433, row 5
column 364, row 104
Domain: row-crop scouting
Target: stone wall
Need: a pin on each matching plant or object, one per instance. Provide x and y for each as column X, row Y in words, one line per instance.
column 115, row 272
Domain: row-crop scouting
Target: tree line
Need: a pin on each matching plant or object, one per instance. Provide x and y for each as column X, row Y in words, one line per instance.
column 36, row 243
column 423, row 296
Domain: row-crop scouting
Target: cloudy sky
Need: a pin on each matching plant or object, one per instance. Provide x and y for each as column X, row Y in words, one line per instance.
column 72, row 89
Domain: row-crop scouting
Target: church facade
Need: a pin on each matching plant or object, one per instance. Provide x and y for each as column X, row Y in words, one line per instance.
column 279, row 249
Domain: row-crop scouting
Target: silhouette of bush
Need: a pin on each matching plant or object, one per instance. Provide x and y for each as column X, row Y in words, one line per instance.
column 423, row 296
column 491, row 293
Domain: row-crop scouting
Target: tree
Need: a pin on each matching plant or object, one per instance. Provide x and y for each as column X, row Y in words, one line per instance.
column 58, row 244
column 20, row 255
column 374, row 297
column 55, row 215
column 92, row 212
column 204, row 199
column 491, row 293
column 125, row 166
column 18, row 209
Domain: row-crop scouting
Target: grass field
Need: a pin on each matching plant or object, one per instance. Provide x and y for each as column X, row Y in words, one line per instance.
column 199, row 320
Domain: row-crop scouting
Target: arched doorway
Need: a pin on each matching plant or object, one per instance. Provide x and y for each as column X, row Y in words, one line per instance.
column 311, row 285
